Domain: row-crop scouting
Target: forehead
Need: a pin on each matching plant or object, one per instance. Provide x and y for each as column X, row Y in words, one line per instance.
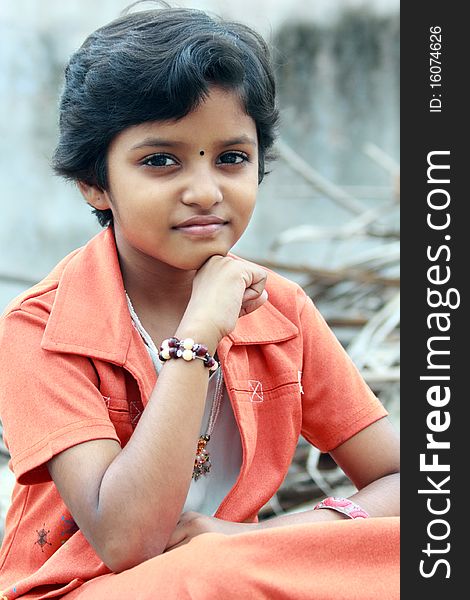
column 219, row 117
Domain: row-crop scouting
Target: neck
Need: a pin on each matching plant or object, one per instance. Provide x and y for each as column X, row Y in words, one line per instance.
column 155, row 286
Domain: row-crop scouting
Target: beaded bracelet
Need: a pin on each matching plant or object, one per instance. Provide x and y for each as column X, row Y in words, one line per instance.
column 188, row 350
column 344, row 506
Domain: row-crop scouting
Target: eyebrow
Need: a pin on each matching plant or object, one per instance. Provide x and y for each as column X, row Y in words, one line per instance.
column 243, row 139
column 153, row 142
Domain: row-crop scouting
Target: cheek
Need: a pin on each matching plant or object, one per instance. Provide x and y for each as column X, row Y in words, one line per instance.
column 141, row 211
column 244, row 195
column 247, row 206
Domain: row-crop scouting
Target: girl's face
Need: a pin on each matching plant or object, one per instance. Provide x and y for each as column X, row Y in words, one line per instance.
column 202, row 167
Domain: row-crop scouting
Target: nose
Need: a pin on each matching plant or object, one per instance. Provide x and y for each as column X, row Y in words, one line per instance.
column 202, row 189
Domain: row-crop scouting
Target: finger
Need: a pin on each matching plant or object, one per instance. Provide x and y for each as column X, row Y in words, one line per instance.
column 251, row 294
column 255, row 277
column 181, row 543
column 179, row 533
column 251, row 305
column 256, row 287
column 188, row 516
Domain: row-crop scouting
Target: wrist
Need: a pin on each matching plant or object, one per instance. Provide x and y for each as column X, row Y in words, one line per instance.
column 300, row 518
column 344, row 506
column 188, row 350
column 200, row 334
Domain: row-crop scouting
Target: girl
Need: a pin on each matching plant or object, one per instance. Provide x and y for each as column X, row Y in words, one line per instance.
column 153, row 386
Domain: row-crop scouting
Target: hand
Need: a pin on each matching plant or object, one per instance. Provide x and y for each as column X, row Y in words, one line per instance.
column 192, row 524
column 224, row 289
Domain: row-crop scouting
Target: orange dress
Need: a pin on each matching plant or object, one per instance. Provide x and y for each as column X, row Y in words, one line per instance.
column 73, row 369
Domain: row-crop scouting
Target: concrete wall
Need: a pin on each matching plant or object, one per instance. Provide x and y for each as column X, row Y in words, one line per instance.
column 338, row 83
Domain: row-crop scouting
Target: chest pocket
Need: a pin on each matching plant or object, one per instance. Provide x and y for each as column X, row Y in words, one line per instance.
column 271, row 408
column 281, row 386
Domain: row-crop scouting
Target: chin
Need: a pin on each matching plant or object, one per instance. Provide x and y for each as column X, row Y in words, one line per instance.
column 195, row 262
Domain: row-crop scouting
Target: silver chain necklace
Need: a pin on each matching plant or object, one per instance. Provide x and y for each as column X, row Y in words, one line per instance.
column 202, row 462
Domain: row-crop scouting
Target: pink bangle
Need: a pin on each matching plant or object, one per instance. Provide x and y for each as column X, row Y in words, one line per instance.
column 344, row 506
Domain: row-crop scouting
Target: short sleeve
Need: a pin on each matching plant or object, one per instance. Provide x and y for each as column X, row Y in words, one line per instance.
column 337, row 402
column 49, row 401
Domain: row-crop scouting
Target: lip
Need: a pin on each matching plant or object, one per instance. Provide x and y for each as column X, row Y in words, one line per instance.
column 201, row 226
column 201, row 220
column 207, row 230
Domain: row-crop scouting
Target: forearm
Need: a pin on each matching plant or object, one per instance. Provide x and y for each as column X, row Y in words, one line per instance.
column 147, row 482
column 371, row 460
column 380, row 498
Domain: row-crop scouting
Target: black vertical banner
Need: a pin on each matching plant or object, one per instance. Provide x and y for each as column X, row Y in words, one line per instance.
column 435, row 423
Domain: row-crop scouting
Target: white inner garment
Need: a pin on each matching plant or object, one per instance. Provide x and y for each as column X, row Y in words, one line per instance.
column 225, row 451
column 225, row 448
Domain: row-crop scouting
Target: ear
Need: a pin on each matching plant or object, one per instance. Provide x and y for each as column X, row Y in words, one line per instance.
column 94, row 195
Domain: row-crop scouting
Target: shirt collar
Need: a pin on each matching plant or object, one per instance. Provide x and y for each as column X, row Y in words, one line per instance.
column 90, row 315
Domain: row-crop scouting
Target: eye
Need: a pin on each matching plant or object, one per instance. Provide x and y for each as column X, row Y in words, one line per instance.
column 233, row 158
column 159, row 160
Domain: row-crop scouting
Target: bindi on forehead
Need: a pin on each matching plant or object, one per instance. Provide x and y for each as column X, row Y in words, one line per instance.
column 201, row 152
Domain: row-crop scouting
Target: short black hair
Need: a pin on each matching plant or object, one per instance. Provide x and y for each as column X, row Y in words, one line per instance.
column 156, row 65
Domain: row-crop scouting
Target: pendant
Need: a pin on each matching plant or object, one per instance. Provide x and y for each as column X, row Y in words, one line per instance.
column 202, row 463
